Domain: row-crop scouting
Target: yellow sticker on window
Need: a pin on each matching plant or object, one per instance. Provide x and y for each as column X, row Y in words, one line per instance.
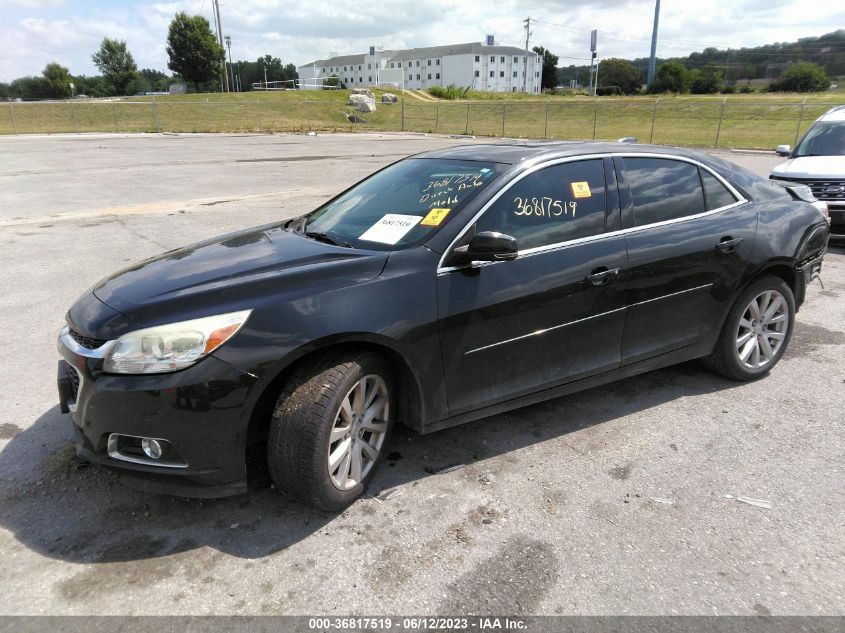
column 581, row 190
column 435, row 217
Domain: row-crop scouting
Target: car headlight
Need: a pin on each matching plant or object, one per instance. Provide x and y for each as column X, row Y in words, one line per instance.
column 172, row 347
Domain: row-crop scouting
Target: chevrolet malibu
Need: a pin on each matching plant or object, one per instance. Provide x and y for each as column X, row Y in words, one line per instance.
column 449, row 286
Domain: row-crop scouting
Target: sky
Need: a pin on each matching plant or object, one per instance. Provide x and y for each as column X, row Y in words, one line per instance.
column 36, row 32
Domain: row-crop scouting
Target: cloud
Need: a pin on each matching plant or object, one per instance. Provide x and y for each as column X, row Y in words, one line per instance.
column 35, row 32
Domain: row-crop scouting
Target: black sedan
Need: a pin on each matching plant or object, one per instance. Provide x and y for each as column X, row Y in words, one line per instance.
column 449, row 286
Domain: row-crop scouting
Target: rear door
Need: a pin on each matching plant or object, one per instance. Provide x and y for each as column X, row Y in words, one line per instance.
column 688, row 235
column 555, row 313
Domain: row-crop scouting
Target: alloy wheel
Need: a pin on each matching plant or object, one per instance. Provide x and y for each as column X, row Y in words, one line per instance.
column 762, row 330
column 358, row 432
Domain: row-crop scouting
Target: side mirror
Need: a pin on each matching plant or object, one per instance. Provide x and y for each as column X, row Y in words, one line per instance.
column 783, row 150
column 487, row 246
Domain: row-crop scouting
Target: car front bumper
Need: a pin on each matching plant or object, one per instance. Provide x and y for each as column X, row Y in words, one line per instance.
column 199, row 414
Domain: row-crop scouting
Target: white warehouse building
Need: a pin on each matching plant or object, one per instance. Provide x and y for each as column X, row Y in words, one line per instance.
column 484, row 67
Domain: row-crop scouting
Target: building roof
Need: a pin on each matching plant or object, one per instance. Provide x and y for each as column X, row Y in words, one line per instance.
column 469, row 48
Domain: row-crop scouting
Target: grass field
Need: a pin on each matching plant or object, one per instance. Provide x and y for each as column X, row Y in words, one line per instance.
column 742, row 121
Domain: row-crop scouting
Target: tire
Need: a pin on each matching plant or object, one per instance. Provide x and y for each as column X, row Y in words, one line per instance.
column 321, row 447
column 748, row 346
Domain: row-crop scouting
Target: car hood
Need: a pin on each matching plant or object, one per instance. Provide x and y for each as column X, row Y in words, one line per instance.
column 815, row 167
column 241, row 270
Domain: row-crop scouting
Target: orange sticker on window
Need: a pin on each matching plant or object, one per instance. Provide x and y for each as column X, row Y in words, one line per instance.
column 581, row 190
column 435, row 217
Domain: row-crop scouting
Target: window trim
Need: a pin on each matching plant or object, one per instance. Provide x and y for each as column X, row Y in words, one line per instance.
column 442, row 270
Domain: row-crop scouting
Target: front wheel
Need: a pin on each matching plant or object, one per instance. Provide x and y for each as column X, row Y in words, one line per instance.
column 329, row 427
column 756, row 332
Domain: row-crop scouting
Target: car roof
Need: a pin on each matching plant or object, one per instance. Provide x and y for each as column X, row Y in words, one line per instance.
column 834, row 114
column 516, row 151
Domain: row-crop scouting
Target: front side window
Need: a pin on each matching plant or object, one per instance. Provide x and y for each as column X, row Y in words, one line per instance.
column 663, row 189
column 826, row 138
column 401, row 205
column 555, row 204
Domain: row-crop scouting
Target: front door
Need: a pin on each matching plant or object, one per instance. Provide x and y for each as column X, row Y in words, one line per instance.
column 552, row 315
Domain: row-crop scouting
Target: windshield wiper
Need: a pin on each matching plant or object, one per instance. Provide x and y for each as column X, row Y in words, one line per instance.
column 324, row 237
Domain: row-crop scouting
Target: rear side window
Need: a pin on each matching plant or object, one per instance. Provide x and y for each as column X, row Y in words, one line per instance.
column 716, row 194
column 555, row 204
column 663, row 189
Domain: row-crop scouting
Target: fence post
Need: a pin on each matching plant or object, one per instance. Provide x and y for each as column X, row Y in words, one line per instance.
column 721, row 116
column 595, row 115
column 75, row 120
column 466, row 123
column 114, row 114
column 260, row 118
column 436, row 116
column 653, row 118
column 155, row 114
column 208, row 112
column 14, row 122
column 800, row 119
column 403, row 112
column 546, row 121
column 307, row 112
column 504, row 107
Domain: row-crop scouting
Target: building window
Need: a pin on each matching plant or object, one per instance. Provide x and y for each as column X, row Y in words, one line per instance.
column 369, row 80
column 369, row 66
column 409, row 64
column 492, row 59
column 429, row 62
column 514, row 73
column 476, row 73
column 515, row 59
column 437, row 76
column 391, row 64
column 360, row 66
column 502, row 59
column 418, row 77
column 537, row 74
column 477, row 58
column 429, row 75
column 492, row 74
column 418, row 63
column 501, row 73
column 437, row 62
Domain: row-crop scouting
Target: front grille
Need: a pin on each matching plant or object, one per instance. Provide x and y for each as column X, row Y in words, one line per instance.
column 85, row 341
column 819, row 186
column 73, row 378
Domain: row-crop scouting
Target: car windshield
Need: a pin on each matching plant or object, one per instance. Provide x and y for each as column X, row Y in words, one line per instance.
column 826, row 138
column 401, row 205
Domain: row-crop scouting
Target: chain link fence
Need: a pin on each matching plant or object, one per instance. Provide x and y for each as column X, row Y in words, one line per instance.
column 675, row 121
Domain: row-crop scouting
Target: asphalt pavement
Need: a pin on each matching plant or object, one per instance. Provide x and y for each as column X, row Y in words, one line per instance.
column 623, row 499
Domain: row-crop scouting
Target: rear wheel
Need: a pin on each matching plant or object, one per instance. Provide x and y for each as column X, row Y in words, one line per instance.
column 329, row 427
column 756, row 332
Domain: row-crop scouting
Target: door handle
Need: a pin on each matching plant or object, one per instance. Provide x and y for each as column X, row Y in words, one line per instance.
column 602, row 276
column 729, row 244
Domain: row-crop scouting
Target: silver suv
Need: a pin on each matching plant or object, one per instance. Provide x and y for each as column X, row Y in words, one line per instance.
column 818, row 161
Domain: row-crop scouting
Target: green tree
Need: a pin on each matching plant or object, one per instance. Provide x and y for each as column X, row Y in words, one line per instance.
column 193, row 50
column 706, row 80
column 621, row 74
column 58, row 79
column 671, row 77
column 548, row 79
column 802, row 77
column 116, row 64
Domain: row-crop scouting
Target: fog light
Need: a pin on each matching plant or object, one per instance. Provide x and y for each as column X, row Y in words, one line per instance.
column 152, row 448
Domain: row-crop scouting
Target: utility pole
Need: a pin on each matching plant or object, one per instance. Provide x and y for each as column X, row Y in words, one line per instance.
column 231, row 68
column 224, row 78
column 594, row 35
column 652, row 61
column 527, row 22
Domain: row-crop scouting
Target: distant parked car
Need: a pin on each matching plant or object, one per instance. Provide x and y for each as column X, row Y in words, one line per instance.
column 447, row 287
column 818, row 161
